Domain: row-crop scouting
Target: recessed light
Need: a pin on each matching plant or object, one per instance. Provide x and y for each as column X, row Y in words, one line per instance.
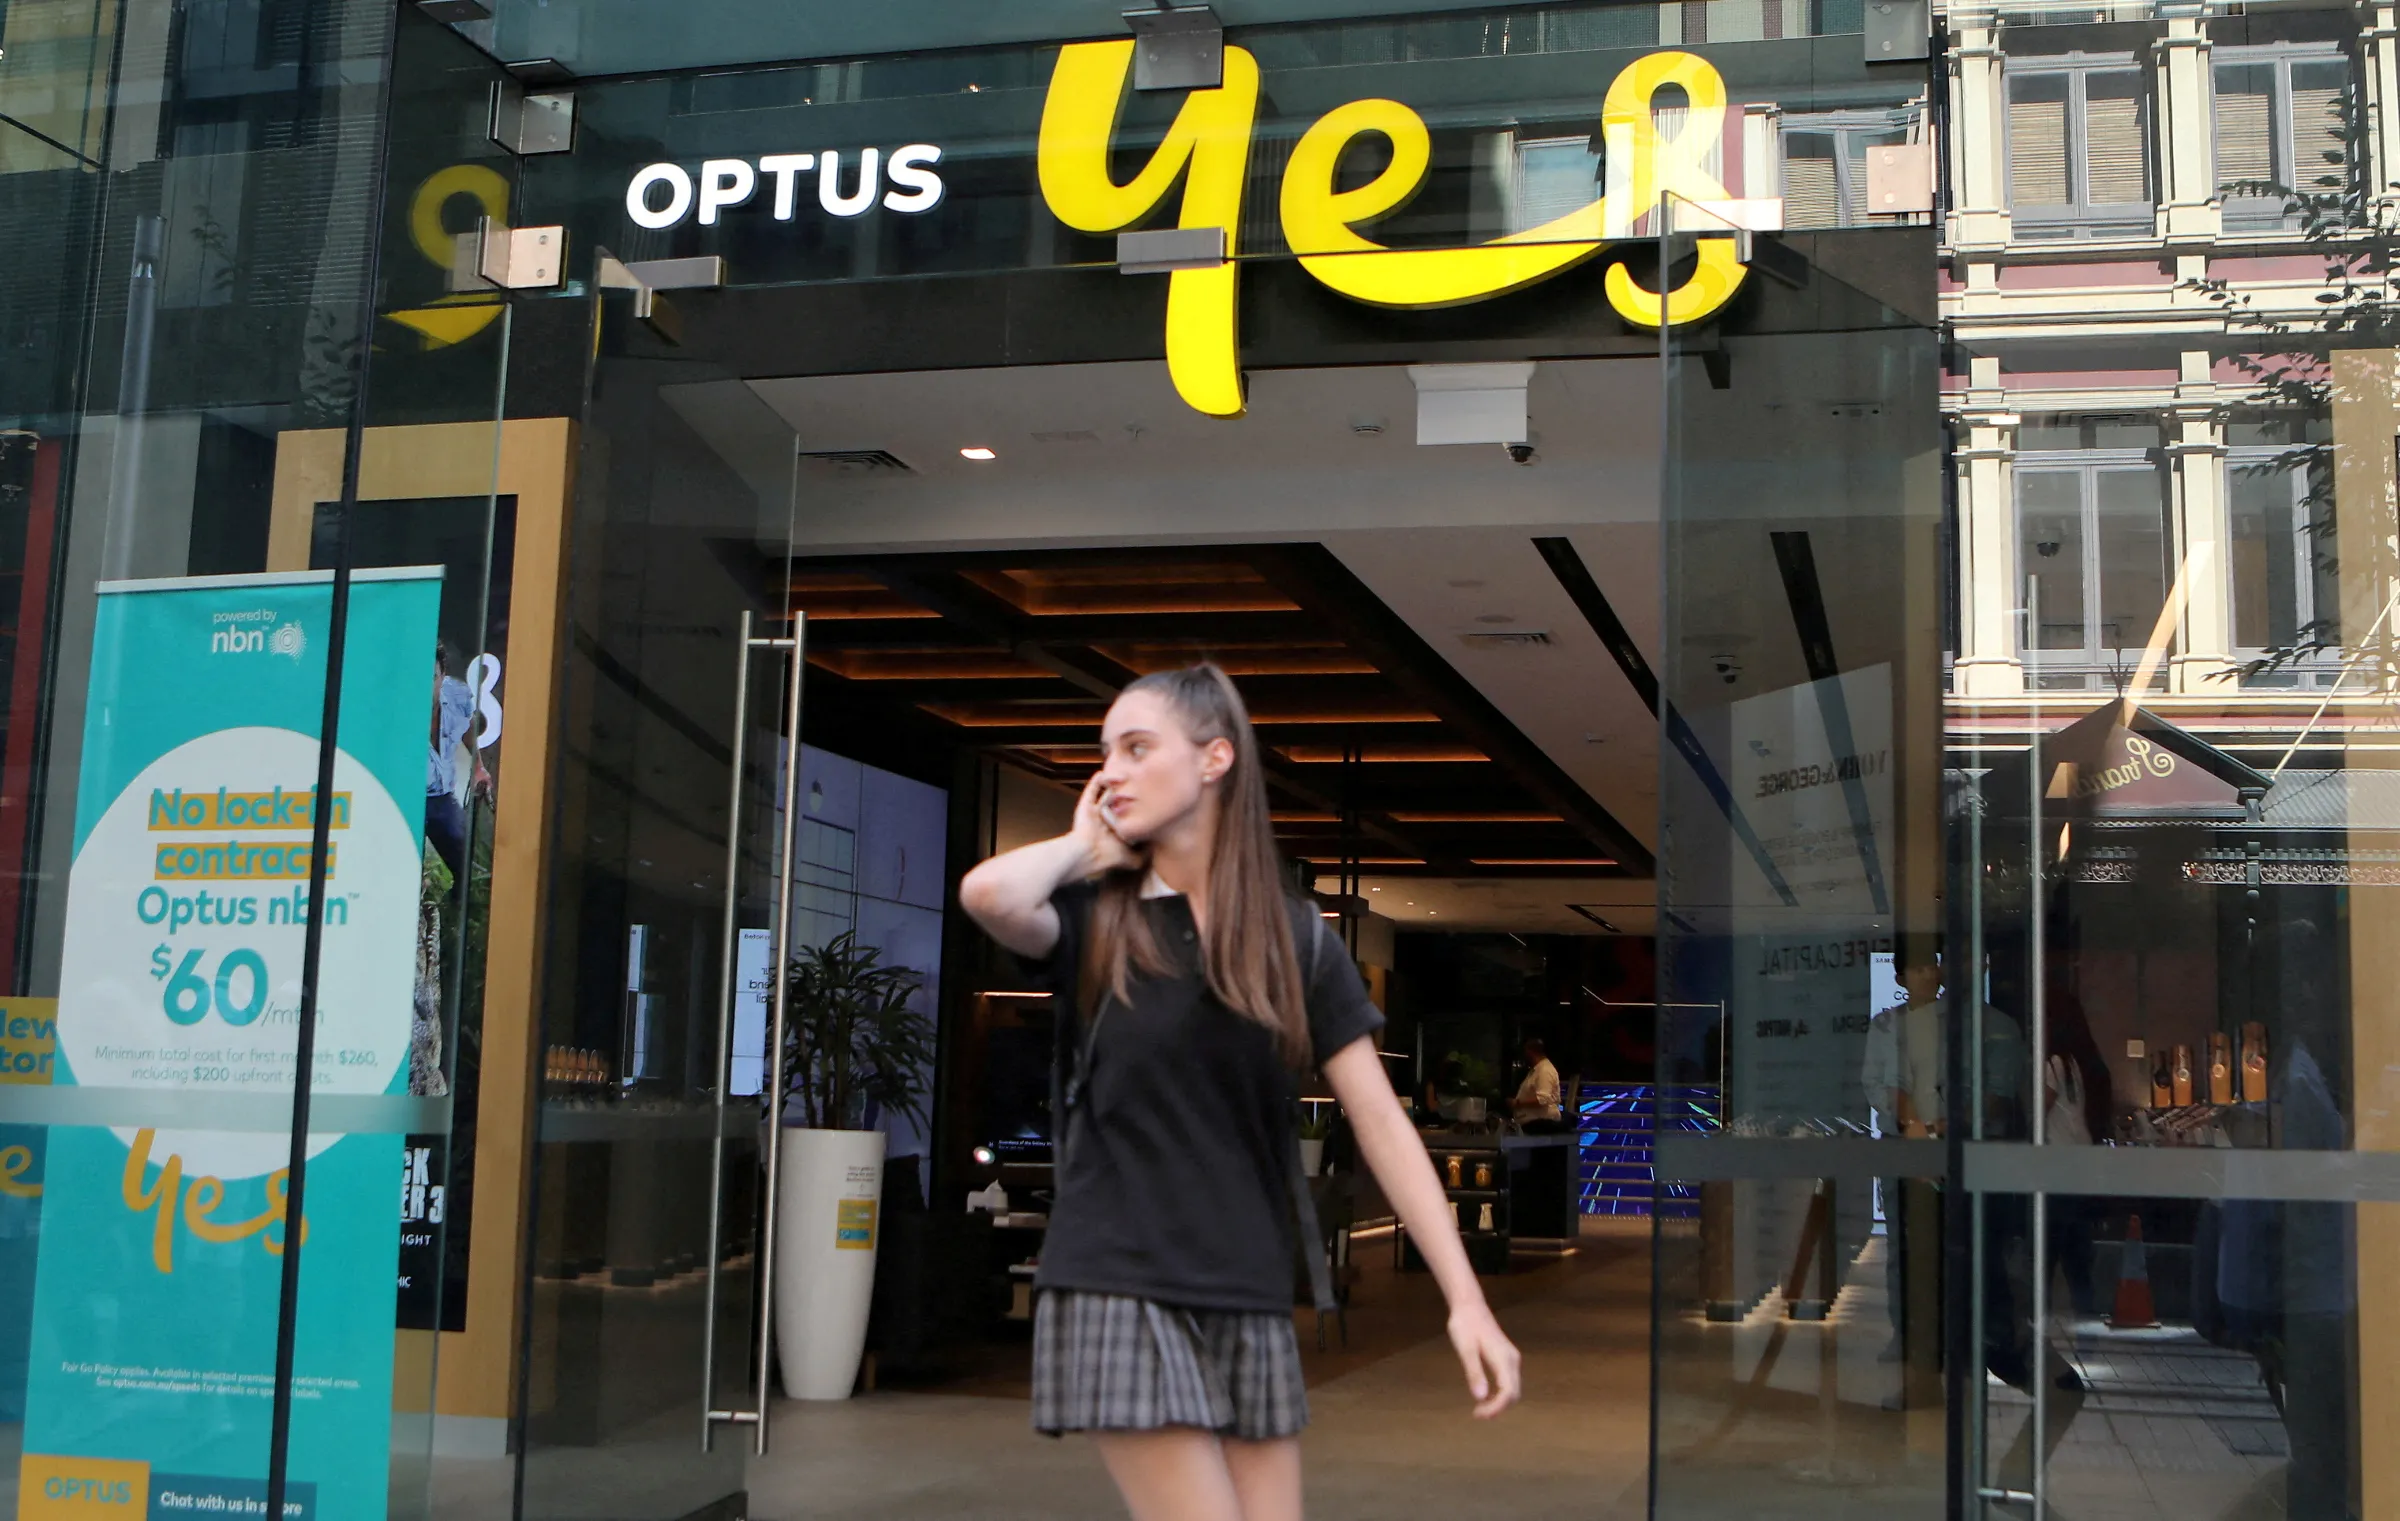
column 977, row 451
column 1374, row 889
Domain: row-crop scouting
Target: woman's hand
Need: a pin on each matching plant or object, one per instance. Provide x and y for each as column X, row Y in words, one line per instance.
column 1489, row 1357
column 1009, row 895
column 1395, row 1153
column 1105, row 849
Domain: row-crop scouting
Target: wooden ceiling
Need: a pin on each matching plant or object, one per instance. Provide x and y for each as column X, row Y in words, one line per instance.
column 1016, row 654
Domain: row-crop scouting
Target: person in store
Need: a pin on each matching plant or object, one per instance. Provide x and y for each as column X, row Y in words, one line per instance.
column 1200, row 990
column 1903, row 1069
column 1536, row 1105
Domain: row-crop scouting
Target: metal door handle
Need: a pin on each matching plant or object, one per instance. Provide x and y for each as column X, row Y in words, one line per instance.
column 756, row 1416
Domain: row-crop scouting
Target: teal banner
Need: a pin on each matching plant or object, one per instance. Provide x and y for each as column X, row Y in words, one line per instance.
column 156, row 1278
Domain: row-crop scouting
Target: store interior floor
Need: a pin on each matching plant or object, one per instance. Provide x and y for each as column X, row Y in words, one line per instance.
column 1391, row 1433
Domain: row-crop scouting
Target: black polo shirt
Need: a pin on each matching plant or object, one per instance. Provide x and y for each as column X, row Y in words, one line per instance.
column 1175, row 1184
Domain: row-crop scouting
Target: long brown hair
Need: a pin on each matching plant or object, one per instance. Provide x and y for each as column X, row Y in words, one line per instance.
column 1246, row 952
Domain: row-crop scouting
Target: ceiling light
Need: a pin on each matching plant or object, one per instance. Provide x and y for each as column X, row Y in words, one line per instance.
column 977, row 451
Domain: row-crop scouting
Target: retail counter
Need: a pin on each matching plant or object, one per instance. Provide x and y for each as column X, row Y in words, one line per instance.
column 1508, row 1189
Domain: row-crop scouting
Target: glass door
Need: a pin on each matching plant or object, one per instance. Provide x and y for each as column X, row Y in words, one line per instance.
column 645, row 1365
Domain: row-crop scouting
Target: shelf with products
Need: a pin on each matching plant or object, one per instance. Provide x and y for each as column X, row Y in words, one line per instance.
column 1475, row 1182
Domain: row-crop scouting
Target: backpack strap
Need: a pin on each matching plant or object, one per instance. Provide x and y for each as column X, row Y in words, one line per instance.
column 1304, row 1204
column 1070, row 1071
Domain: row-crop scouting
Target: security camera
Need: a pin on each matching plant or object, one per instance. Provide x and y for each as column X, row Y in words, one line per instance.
column 2046, row 548
column 1520, row 453
column 1728, row 668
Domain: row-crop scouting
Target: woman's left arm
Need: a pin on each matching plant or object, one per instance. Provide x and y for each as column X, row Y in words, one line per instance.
column 1397, row 1157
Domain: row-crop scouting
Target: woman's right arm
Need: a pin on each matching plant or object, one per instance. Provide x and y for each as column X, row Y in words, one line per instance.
column 1009, row 894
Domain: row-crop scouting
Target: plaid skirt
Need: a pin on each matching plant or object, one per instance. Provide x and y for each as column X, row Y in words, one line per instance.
column 1108, row 1362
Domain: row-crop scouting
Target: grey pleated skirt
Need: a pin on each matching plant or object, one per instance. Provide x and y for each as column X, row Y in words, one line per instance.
column 1108, row 1362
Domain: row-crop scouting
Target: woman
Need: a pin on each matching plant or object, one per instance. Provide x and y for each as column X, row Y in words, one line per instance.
column 1198, row 988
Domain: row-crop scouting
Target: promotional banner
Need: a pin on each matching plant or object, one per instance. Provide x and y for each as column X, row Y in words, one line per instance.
column 28, row 1051
column 156, row 1289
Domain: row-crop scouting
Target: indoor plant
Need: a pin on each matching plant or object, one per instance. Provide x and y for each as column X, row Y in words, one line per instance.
column 853, row 1051
column 1316, row 1126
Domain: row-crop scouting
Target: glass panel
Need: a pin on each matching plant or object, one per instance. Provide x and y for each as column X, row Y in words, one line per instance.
column 1800, row 1329
column 2229, row 1324
column 2051, row 551
column 1812, row 185
column 2037, row 140
column 616, row 37
column 1521, row 78
column 2269, row 554
column 2129, row 534
column 653, row 1022
column 2116, row 138
column 2245, row 128
column 1554, row 176
column 2321, row 134
column 187, row 352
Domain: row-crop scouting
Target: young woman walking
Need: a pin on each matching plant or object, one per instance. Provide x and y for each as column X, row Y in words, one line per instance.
column 1195, row 989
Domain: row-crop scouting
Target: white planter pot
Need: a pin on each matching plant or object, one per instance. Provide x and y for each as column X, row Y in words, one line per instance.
column 826, row 1217
column 1312, row 1156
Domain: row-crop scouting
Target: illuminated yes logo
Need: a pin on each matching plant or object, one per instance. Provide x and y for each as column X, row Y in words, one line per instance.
column 1208, row 147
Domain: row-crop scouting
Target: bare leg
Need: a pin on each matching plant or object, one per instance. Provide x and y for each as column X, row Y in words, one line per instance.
column 1177, row 1474
column 1266, row 1475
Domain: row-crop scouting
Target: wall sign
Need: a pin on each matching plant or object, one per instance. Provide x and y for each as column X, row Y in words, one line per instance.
column 1207, row 148
column 661, row 195
column 1203, row 159
column 160, row 1249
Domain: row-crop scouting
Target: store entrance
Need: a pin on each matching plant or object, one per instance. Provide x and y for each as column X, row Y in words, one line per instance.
column 1522, row 676
column 1461, row 771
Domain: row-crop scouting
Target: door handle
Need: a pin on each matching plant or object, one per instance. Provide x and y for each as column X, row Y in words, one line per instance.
column 756, row 1416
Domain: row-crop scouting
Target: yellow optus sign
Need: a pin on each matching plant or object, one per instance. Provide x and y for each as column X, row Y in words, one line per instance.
column 1208, row 147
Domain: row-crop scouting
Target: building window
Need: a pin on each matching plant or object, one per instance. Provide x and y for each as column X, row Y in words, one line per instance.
column 2285, row 592
column 1554, row 176
column 2280, row 130
column 2079, row 147
column 1825, row 164
column 2092, row 548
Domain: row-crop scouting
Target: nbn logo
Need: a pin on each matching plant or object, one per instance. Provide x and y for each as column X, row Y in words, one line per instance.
column 237, row 641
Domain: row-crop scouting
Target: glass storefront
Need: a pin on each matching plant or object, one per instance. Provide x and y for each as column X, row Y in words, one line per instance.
column 1894, row 717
